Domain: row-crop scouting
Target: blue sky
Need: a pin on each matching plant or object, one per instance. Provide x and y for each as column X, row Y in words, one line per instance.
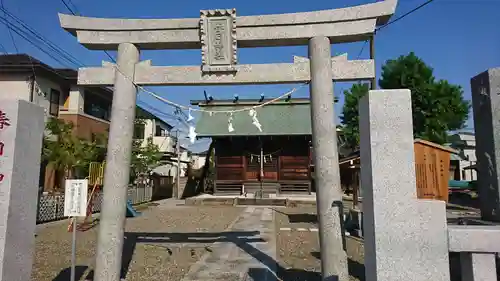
column 458, row 38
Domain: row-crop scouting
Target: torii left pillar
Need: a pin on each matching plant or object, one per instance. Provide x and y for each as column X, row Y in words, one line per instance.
column 326, row 162
column 117, row 171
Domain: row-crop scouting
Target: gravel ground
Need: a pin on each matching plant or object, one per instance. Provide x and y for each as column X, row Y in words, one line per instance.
column 298, row 251
column 155, row 247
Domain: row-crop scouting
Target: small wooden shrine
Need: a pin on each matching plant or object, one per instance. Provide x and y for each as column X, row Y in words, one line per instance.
column 432, row 171
column 275, row 159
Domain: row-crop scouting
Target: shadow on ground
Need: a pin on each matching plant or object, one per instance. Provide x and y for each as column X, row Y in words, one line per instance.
column 299, row 217
column 242, row 239
column 80, row 272
column 464, row 199
column 257, row 274
column 302, row 218
column 356, row 269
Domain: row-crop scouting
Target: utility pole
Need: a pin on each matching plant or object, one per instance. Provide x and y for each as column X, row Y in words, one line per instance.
column 178, row 176
column 261, row 171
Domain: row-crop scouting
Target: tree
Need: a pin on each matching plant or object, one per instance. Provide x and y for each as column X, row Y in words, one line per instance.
column 350, row 114
column 65, row 153
column 437, row 106
column 145, row 157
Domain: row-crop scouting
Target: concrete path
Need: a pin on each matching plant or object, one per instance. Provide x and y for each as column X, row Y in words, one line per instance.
column 247, row 251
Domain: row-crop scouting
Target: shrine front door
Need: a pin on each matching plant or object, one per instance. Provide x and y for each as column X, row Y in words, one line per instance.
column 269, row 168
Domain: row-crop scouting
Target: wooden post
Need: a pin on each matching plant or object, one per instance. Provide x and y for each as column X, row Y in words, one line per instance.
column 355, row 188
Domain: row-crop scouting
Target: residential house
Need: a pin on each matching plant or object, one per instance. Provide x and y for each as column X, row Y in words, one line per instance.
column 156, row 129
column 162, row 135
column 56, row 90
column 465, row 143
column 88, row 108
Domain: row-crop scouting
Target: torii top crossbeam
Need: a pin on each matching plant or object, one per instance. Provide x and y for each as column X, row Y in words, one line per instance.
column 340, row 25
column 218, row 33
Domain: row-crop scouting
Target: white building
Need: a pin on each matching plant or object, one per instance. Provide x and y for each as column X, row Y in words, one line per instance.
column 199, row 159
column 164, row 136
column 465, row 142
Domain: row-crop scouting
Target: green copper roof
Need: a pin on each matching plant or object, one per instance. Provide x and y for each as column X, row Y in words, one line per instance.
column 276, row 119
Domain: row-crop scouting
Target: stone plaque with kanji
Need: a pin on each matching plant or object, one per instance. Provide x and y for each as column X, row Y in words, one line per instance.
column 218, row 40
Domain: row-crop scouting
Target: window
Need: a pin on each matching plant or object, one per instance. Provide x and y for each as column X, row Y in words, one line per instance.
column 160, row 132
column 96, row 106
column 54, row 102
column 463, row 175
column 139, row 131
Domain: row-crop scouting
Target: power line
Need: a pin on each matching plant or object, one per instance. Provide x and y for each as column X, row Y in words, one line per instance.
column 23, row 35
column 404, row 15
column 74, row 14
column 112, row 59
column 362, row 48
column 61, row 52
column 3, row 48
column 67, row 7
column 158, row 111
column 14, row 43
column 38, row 41
column 74, row 7
column 10, row 31
column 395, row 20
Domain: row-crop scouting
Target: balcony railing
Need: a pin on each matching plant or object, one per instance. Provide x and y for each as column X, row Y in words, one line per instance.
column 165, row 143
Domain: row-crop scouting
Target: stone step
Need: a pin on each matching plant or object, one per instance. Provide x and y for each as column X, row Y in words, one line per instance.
column 266, row 187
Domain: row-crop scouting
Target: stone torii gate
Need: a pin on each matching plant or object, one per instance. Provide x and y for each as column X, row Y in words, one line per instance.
column 218, row 33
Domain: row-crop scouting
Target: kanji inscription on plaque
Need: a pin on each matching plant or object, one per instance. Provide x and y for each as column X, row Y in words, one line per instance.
column 218, row 40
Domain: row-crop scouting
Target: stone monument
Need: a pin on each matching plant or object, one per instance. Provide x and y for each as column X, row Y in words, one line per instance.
column 218, row 33
column 21, row 133
column 486, row 107
column 405, row 238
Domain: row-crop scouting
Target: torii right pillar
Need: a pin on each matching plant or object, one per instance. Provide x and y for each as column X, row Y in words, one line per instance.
column 486, row 106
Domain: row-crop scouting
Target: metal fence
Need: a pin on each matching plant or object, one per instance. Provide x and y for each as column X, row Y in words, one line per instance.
column 51, row 207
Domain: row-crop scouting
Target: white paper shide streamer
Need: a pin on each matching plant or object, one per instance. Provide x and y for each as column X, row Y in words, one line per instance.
column 192, row 134
column 190, row 117
column 230, row 127
column 255, row 121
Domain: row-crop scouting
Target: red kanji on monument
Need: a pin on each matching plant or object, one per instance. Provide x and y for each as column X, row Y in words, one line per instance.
column 1, row 148
column 4, row 121
column 1, row 177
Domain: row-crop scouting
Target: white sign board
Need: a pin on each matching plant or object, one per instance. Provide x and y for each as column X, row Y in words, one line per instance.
column 75, row 198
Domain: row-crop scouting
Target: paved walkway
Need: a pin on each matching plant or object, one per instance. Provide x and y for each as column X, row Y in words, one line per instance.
column 246, row 251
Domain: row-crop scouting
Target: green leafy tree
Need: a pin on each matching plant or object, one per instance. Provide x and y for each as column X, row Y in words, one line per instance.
column 144, row 159
column 70, row 156
column 65, row 153
column 438, row 106
column 146, row 156
column 350, row 114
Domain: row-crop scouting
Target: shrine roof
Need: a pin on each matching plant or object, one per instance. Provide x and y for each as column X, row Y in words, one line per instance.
column 279, row 118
